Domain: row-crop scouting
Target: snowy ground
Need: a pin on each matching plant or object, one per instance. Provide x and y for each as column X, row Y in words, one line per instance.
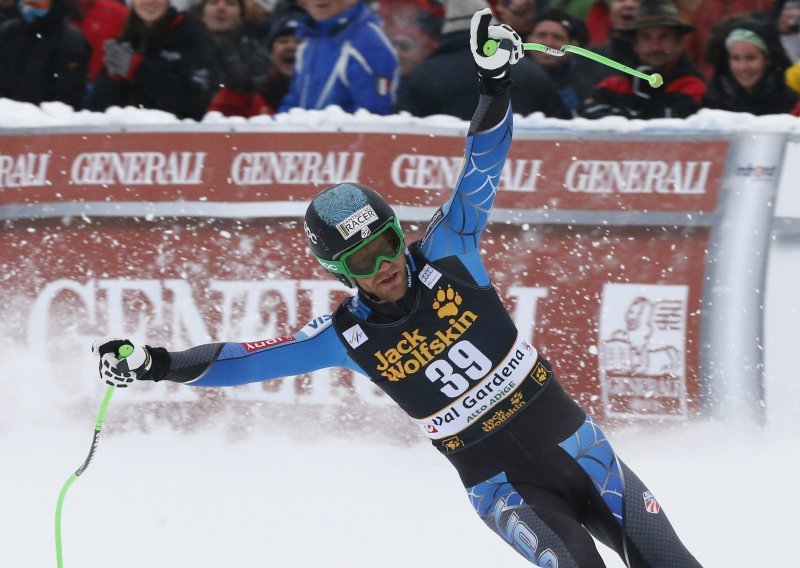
column 206, row 499
column 213, row 498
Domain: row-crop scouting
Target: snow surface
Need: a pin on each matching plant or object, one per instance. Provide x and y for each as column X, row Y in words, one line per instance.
column 220, row 497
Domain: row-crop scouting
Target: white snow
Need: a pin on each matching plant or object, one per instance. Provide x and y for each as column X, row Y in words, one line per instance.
column 220, row 497
column 16, row 115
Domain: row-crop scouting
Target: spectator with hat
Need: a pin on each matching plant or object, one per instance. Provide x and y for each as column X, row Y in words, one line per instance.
column 555, row 28
column 444, row 83
column 163, row 60
column 282, row 44
column 42, row 57
column 344, row 59
column 749, row 71
column 658, row 35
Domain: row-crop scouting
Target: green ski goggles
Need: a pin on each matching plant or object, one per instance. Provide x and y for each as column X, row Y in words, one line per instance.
column 364, row 260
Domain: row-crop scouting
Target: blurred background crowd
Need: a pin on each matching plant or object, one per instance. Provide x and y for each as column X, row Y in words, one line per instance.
column 251, row 57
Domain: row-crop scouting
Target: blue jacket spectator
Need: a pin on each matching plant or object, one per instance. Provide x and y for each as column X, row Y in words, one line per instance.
column 344, row 59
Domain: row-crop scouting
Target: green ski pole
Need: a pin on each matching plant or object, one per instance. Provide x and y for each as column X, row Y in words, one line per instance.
column 655, row 80
column 123, row 352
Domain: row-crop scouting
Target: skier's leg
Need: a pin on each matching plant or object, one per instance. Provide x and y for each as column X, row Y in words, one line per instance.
column 620, row 511
column 541, row 526
column 650, row 539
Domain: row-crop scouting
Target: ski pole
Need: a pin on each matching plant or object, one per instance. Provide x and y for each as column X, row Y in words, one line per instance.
column 654, row 79
column 123, row 352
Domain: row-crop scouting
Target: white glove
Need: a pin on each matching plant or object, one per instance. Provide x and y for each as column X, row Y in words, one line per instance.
column 121, row 362
column 484, row 40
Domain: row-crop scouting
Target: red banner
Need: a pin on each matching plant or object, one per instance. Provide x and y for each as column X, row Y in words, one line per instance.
column 409, row 169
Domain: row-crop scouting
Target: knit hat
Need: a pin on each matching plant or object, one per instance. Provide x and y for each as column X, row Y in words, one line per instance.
column 283, row 26
column 576, row 29
column 458, row 14
column 658, row 13
column 749, row 36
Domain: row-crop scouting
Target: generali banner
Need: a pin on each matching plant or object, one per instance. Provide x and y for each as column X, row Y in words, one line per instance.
column 410, row 169
column 615, row 308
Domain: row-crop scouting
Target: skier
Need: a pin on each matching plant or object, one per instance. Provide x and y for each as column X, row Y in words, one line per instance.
column 427, row 327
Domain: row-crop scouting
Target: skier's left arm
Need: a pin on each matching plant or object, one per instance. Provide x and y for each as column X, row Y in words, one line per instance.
column 456, row 228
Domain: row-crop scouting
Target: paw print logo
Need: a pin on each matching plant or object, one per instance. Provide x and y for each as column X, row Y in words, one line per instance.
column 452, row 444
column 446, row 302
column 539, row 374
column 516, row 399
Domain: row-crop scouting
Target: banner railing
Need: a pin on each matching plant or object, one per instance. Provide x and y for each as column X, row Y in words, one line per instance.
column 624, row 260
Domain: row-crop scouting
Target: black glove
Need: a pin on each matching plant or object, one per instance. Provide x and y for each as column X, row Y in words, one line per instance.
column 119, row 57
column 492, row 57
column 122, row 362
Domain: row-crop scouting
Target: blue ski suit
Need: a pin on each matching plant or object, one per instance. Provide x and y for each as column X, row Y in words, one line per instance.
column 346, row 61
column 536, row 467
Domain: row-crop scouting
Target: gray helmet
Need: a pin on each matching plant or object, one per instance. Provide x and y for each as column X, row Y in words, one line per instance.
column 340, row 218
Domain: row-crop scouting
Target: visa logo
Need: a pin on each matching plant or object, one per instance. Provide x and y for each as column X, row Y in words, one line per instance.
column 316, row 325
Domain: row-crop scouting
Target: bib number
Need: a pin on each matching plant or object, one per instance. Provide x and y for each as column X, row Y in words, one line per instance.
column 468, row 360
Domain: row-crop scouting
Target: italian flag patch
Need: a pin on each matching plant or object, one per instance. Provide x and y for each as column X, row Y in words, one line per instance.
column 383, row 86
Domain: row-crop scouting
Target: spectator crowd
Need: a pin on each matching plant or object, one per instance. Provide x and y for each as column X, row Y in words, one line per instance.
column 251, row 57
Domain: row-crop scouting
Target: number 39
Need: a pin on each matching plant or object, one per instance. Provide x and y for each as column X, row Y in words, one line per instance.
column 468, row 359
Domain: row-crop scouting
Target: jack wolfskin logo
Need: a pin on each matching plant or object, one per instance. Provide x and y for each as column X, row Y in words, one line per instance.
column 452, row 444
column 446, row 302
column 414, row 350
column 539, row 373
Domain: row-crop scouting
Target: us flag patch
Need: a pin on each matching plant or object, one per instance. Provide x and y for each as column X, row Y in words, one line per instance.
column 650, row 503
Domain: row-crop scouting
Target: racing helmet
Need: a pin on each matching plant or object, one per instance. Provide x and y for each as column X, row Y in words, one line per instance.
column 351, row 230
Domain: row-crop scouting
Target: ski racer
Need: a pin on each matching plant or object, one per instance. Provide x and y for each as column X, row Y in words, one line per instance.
column 427, row 326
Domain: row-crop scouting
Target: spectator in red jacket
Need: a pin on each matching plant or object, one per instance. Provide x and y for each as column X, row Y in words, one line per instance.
column 608, row 16
column 99, row 20
column 658, row 35
column 241, row 57
column 163, row 60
